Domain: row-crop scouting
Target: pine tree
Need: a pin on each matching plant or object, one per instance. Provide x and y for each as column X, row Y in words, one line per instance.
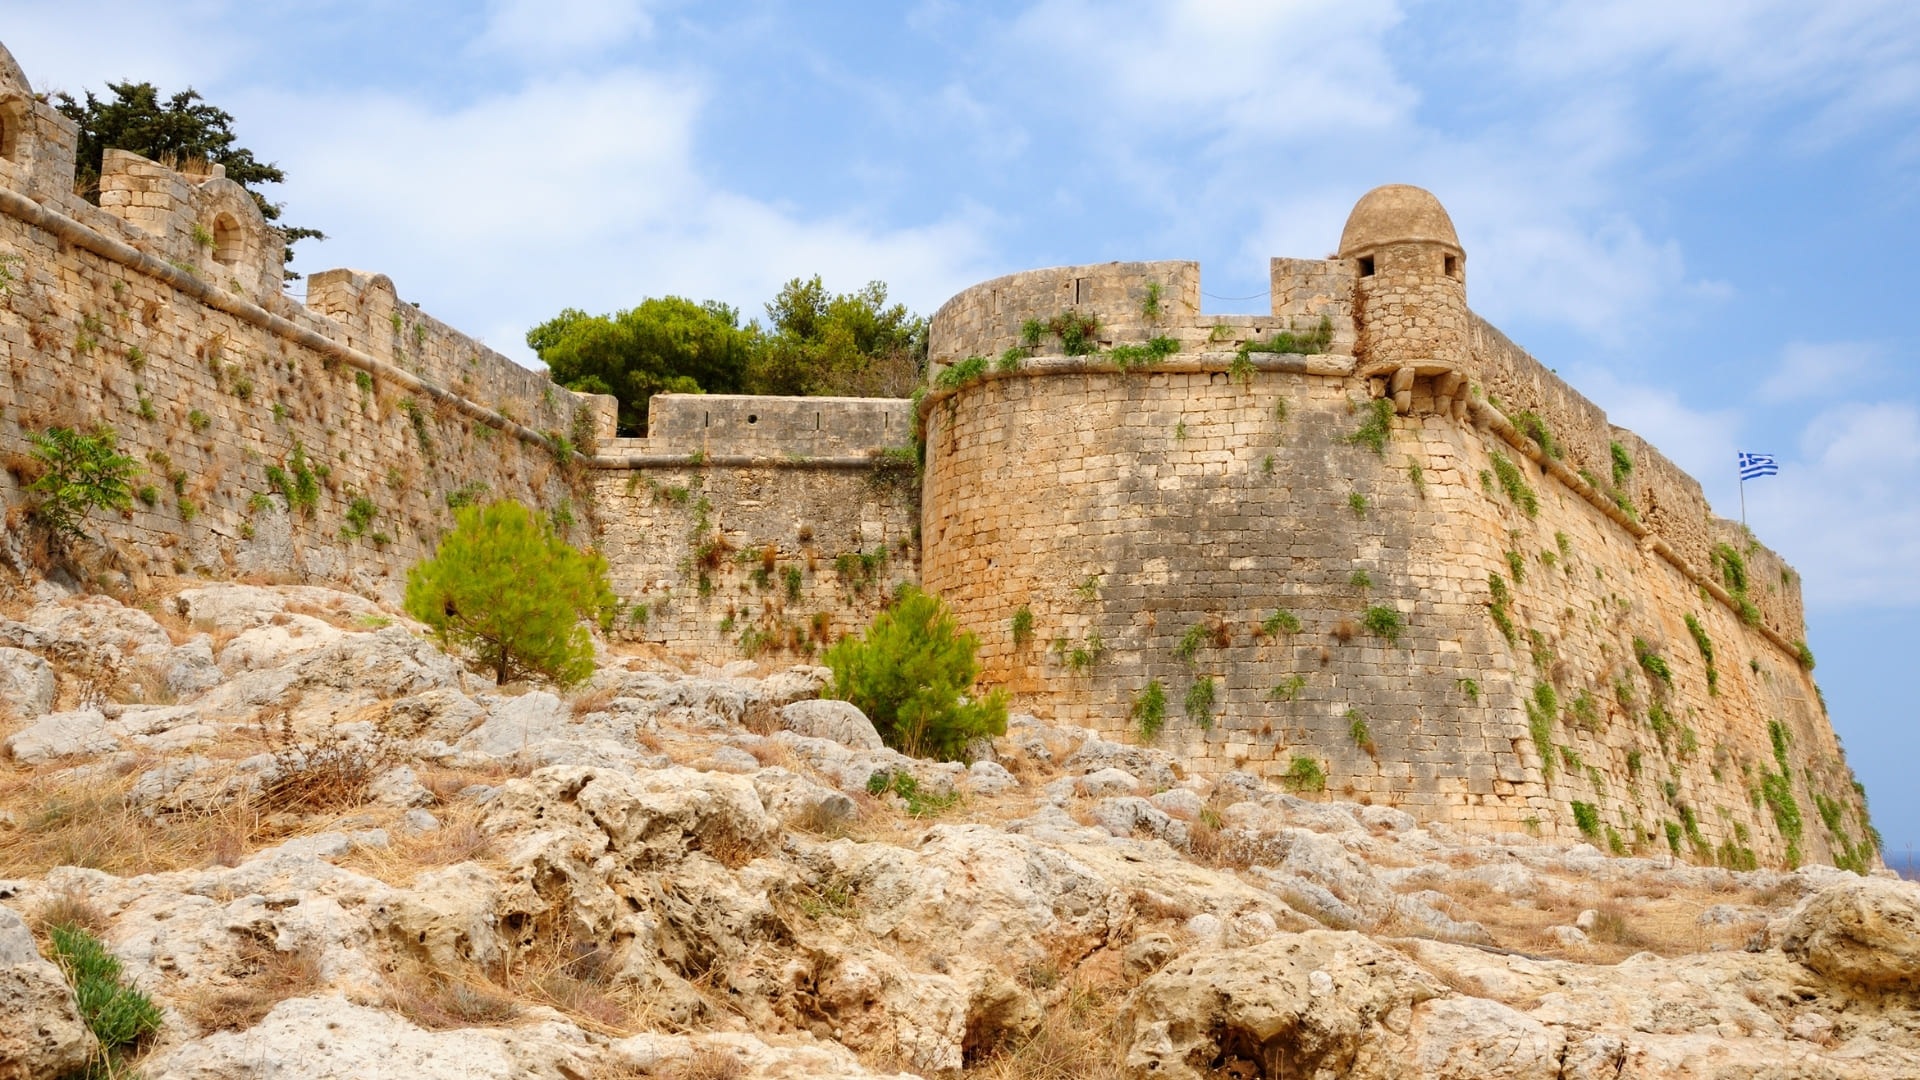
column 911, row 673
column 506, row 589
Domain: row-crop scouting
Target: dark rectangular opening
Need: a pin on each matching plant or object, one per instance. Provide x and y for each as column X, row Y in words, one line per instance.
column 1453, row 266
column 1366, row 266
column 1082, row 290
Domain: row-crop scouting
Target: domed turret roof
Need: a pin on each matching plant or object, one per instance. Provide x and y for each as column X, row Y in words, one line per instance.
column 1394, row 214
column 11, row 77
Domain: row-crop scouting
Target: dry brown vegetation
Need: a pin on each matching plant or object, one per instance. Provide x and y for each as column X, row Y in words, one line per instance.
column 263, row 976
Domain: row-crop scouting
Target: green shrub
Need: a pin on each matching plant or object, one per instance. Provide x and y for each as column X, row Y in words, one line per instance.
column 1288, row 688
column 1149, row 711
column 1200, row 702
column 1622, row 463
column 1280, row 622
column 1022, row 626
column 360, row 514
column 1542, row 708
column 903, row 783
column 81, row 473
column 1803, row 655
column 1304, row 774
column 1653, row 663
column 1383, row 621
column 1705, row 643
column 118, row 1015
column 1128, row 357
column 1587, row 816
column 1376, row 428
column 1514, row 483
column 1303, row 343
column 962, row 372
column 505, row 588
column 911, row 672
column 296, row 481
column 1536, row 429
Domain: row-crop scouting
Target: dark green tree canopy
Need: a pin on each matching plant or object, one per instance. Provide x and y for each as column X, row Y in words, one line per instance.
column 853, row 344
column 912, row 673
column 665, row 344
column 180, row 130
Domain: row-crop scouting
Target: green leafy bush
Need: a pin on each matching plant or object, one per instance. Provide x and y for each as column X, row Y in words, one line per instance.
column 1149, row 711
column 1587, row 816
column 81, row 473
column 911, row 673
column 506, row 589
column 1514, row 483
column 1383, row 621
column 1200, row 697
column 1377, row 428
column 1304, row 774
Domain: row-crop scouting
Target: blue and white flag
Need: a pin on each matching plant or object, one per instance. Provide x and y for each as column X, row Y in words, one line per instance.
column 1755, row 465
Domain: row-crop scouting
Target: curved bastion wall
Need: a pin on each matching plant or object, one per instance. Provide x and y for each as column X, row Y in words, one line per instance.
column 1455, row 654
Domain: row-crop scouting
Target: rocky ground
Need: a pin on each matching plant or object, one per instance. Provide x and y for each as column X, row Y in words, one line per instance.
column 325, row 850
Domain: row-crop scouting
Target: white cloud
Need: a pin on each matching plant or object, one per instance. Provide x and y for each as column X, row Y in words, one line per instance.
column 1245, row 68
column 576, row 191
column 1700, row 441
column 73, row 47
column 564, row 30
column 1846, row 508
column 1810, row 369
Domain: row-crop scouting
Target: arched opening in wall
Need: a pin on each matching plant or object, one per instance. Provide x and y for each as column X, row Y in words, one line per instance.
column 226, row 240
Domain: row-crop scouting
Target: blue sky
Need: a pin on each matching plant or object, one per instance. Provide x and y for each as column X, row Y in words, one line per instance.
column 1702, row 213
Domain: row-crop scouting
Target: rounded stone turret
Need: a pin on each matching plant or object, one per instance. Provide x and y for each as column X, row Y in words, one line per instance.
column 1410, row 287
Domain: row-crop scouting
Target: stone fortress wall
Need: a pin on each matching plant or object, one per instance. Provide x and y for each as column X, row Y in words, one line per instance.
column 160, row 313
column 1121, row 508
column 1153, row 519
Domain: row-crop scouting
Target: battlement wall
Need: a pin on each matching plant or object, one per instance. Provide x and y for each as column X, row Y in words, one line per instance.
column 160, row 314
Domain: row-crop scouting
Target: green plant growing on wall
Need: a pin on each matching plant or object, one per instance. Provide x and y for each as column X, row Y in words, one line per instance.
column 1587, row 817
column 1542, row 707
column 1622, row 463
column 1180, row 431
column 363, row 381
column 78, row 475
column 1502, row 599
column 1471, row 688
column 296, row 481
column 1281, row 621
column 1150, row 307
column 1585, row 711
column 1242, row 369
column 148, row 494
column 1515, row 485
column 1705, row 644
column 1530, row 425
column 1357, row 503
column 1149, row 710
column 504, row 588
column 1010, row 359
column 1031, row 331
column 199, row 421
column 1297, row 342
column 360, row 513
column 1803, row 655
column 146, row 409
column 1376, row 427
column 1200, row 702
column 1517, row 566
column 1361, row 735
column 1383, row 621
column 1129, row 357
column 1190, row 642
column 1021, row 626
column 1304, row 774
column 794, row 579
column 1077, row 332
column 961, row 372
column 1652, row 662
column 912, row 672
column 1280, row 409
column 9, row 272
column 1416, row 476
column 1288, row 688
column 1360, row 580
column 1080, row 659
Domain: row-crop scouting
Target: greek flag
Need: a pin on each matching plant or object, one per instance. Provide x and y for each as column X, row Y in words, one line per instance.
column 1756, row 465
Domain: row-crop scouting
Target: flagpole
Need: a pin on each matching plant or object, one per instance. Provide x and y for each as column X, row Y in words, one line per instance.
column 1743, row 500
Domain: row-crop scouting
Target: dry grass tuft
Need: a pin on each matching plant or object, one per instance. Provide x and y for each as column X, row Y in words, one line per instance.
column 591, row 701
column 708, row 1063
column 265, row 977
column 87, row 821
column 1076, row 1040
column 443, row 1001
column 761, row 718
column 71, row 909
